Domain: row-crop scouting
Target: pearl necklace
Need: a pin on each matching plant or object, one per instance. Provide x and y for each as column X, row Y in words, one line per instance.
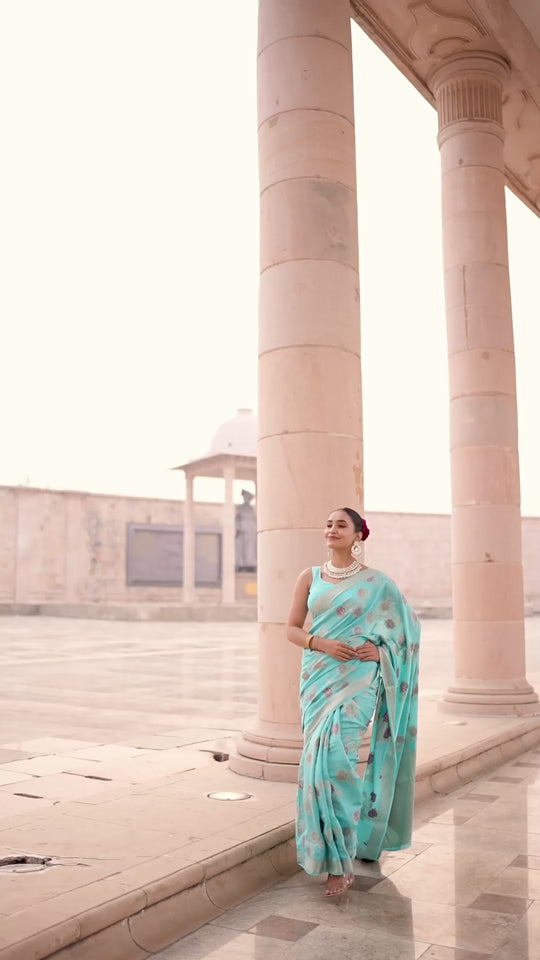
column 340, row 573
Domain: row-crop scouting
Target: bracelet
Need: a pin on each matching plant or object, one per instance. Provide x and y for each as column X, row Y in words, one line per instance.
column 310, row 641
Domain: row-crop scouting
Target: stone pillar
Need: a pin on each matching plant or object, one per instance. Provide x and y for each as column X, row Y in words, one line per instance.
column 189, row 543
column 310, row 417
column 486, row 524
column 228, row 546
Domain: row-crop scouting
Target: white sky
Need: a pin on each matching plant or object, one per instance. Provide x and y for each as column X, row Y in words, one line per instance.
column 129, row 251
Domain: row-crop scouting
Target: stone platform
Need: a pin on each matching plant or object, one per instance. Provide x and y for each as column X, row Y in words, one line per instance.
column 468, row 888
column 107, row 760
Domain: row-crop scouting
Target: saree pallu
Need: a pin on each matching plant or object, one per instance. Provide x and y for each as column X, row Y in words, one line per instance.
column 340, row 813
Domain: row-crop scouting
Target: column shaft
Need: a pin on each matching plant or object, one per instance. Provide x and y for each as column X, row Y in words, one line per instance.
column 486, row 523
column 189, row 543
column 310, row 417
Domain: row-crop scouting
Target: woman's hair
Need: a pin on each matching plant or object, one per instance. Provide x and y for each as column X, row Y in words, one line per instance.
column 360, row 524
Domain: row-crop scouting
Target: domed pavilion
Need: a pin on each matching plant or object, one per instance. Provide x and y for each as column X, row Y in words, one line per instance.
column 232, row 456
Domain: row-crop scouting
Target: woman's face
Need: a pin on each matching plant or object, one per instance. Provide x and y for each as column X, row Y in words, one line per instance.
column 340, row 533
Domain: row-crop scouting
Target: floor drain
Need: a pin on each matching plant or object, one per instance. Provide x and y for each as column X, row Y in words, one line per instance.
column 218, row 755
column 24, row 864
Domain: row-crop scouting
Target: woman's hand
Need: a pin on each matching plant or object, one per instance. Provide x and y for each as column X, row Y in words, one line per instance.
column 336, row 649
column 367, row 651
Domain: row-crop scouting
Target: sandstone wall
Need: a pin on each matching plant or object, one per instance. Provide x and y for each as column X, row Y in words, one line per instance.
column 70, row 548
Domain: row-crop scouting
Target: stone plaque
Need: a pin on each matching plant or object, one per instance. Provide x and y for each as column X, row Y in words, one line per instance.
column 154, row 555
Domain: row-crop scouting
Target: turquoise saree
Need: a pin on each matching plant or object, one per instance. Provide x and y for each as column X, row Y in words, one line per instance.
column 340, row 813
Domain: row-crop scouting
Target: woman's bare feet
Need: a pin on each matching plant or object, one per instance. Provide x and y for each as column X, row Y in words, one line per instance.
column 336, row 886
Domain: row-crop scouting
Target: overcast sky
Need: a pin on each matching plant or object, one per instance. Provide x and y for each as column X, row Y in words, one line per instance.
column 129, row 251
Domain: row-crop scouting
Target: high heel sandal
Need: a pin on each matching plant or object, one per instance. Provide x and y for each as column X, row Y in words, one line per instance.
column 347, row 880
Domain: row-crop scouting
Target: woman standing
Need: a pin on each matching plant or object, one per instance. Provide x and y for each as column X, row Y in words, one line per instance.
column 360, row 662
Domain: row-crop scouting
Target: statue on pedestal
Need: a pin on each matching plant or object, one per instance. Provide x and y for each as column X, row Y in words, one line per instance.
column 246, row 535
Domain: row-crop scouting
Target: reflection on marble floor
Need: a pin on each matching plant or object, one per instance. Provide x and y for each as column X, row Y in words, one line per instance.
column 468, row 889
column 110, row 681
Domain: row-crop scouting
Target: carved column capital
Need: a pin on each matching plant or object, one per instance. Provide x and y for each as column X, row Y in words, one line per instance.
column 468, row 90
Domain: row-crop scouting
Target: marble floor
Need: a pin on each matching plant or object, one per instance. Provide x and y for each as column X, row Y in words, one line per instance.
column 467, row 889
column 111, row 681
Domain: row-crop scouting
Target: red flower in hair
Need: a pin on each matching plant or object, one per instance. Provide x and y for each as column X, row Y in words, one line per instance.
column 365, row 530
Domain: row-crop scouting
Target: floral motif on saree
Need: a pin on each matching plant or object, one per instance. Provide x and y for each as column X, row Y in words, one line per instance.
column 340, row 813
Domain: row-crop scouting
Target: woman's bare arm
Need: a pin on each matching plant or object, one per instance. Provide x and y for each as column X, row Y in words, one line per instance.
column 297, row 618
column 298, row 611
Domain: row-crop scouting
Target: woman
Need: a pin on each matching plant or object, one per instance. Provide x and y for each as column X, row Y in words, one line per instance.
column 360, row 662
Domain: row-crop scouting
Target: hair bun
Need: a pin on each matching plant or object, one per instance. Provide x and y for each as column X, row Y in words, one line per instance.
column 365, row 530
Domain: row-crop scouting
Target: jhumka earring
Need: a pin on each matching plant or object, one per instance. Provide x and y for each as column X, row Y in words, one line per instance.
column 356, row 549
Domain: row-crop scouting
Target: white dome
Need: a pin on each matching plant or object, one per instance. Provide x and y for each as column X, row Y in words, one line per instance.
column 237, row 436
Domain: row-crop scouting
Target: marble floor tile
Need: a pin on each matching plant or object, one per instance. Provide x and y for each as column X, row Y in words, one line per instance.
column 452, row 953
column 335, row 944
column 505, row 779
column 365, row 883
column 480, row 797
column 139, row 812
column 424, row 921
column 13, row 804
column 528, row 863
column 476, row 836
column 523, row 942
column 185, row 737
column 450, row 807
column 48, row 745
column 8, row 756
column 497, row 789
column 519, row 841
column 18, row 892
column 108, row 752
column 510, row 769
column 67, row 836
column 214, row 943
column 451, row 817
column 59, row 786
column 12, row 776
column 516, row 882
column 49, row 764
column 282, row 928
column 497, row 903
column 431, row 832
column 511, row 817
column 446, row 875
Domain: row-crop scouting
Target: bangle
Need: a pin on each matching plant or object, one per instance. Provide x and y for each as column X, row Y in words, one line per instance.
column 310, row 641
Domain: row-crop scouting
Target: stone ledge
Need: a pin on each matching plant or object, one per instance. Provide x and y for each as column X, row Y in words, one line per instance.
column 145, row 908
column 157, row 612
column 96, row 921
column 443, row 774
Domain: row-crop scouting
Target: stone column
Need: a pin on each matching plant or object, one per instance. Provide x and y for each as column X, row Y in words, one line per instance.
column 310, row 419
column 189, row 543
column 228, row 546
column 486, row 523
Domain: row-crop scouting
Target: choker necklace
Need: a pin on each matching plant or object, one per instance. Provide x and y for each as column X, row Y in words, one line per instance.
column 340, row 573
